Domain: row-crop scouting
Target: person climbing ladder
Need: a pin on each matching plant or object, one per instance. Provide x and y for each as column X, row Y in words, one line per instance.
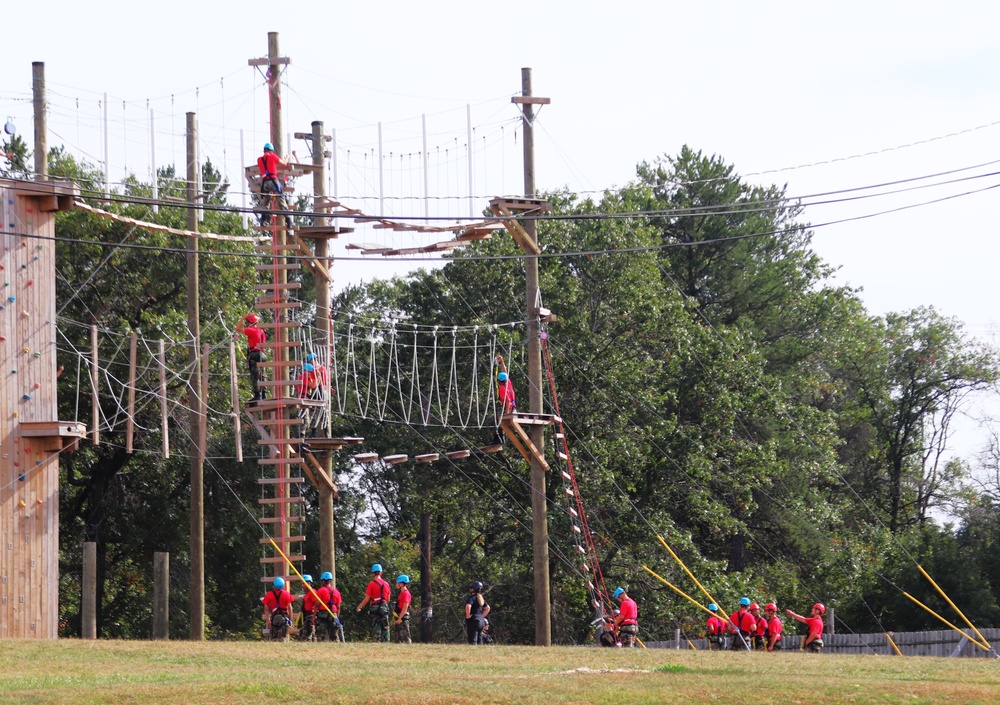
column 270, row 165
column 505, row 388
column 255, row 354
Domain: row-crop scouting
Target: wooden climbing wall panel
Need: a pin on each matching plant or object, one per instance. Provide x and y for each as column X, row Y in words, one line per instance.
column 30, row 435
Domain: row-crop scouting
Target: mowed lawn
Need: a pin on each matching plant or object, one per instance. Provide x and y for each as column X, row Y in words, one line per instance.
column 71, row 671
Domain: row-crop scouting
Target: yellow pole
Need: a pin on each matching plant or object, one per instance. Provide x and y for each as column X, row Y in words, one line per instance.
column 308, row 586
column 984, row 647
column 679, row 591
column 690, row 644
column 640, row 642
column 700, row 586
column 894, row 647
column 953, row 606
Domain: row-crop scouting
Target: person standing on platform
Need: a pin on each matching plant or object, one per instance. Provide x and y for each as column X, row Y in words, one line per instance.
column 715, row 628
column 627, row 621
column 505, row 388
column 270, row 165
column 378, row 594
column 256, row 337
column 814, row 640
column 477, row 609
column 401, row 615
column 773, row 627
column 278, row 611
column 322, row 376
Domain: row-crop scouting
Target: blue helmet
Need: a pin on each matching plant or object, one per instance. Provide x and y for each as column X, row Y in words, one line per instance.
column 501, row 377
column 712, row 607
column 618, row 592
column 744, row 602
column 307, row 578
column 268, row 146
column 326, row 576
column 377, row 568
column 403, row 579
column 279, row 583
column 310, row 357
column 307, row 367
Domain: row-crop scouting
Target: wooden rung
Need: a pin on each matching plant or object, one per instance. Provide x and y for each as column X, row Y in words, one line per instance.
column 279, row 559
column 353, row 440
column 366, row 457
column 522, row 204
column 561, row 455
column 280, row 461
column 279, row 344
column 280, row 480
column 279, row 286
column 281, row 441
column 282, row 500
column 280, row 363
column 396, row 459
column 281, row 324
column 427, row 457
column 275, row 248
column 280, row 305
column 577, row 529
column 565, row 475
column 288, row 539
column 560, row 436
column 568, row 491
column 281, row 520
column 458, row 454
column 280, row 422
column 494, row 448
column 273, row 267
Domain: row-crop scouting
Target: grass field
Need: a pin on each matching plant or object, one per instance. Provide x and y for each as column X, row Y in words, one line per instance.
column 71, row 671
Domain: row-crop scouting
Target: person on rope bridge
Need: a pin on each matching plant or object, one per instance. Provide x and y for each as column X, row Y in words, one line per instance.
column 271, row 185
column 309, row 610
column 505, row 388
column 379, row 594
column 627, row 621
column 742, row 625
column 330, row 596
column 715, row 628
column 401, row 615
column 477, row 609
column 760, row 633
column 814, row 640
column 322, row 376
column 773, row 627
column 278, row 611
column 255, row 354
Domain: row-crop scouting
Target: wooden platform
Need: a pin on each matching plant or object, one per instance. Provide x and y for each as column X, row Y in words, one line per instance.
column 323, row 232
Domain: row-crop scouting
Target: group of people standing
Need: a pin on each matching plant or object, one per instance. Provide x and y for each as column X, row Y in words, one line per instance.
column 748, row 630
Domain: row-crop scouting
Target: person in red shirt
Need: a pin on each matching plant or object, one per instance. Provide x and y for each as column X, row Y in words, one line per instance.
column 773, row 627
column 401, row 615
column 505, row 388
column 307, row 382
column 742, row 625
column 255, row 354
column 760, row 633
column 627, row 621
column 814, row 640
column 309, row 611
column 278, row 611
column 270, row 165
column 378, row 594
column 330, row 596
column 715, row 628
column 322, row 377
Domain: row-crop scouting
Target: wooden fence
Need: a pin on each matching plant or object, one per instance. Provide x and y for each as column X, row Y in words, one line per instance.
column 934, row 643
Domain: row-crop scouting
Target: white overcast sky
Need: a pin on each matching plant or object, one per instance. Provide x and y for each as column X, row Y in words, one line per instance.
column 767, row 85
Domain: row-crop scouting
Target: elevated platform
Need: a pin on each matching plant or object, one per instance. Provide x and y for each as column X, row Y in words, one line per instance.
column 56, row 435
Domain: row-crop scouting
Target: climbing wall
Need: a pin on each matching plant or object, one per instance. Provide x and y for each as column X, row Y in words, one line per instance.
column 31, row 437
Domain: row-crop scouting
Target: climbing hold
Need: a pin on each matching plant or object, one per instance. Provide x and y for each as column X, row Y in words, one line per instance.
column 24, row 266
column 13, row 372
column 26, row 397
column 38, row 462
column 26, row 350
column 21, row 503
column 41, row 247
column 24, row 244
column 24, row 314
column 37, row 385
column 17, row 464
column 38, row 501
column 35, row 258
column 3, row 338
column 21, row 477
column 12, row 299
column 2, row 307
column 37, row 354
column 15, row 414
column 31, row 282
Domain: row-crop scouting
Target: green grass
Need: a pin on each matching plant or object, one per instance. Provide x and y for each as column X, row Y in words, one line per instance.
column 70, row 671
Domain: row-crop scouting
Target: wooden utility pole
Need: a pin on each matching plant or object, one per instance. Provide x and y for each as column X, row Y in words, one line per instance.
column 41, row 135
column 539, row 519
column 161, row 595
column 327, row 544
column 197, row 460
column 88, row 606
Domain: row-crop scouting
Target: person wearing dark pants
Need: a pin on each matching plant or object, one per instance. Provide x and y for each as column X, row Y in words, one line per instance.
column 476, row 612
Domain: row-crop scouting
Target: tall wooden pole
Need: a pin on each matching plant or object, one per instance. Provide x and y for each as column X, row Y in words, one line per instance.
column 88, row 607
column 161, row 595
column 539, row 519
column 274, row 64
column 426, row 587
column 41, row 135
column 327, row 539
column 197, row 461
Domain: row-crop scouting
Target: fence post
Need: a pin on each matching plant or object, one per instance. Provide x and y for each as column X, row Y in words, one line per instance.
column 161, row 595
column 88, row 602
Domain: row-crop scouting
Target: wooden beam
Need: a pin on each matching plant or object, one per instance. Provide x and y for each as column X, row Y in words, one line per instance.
column 130, row 413
column 95, row 406
column 161, row 360
column 234, row 395
column 514, row 430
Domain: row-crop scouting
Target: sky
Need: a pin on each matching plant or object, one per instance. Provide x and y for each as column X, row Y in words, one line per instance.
column 820, row 97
